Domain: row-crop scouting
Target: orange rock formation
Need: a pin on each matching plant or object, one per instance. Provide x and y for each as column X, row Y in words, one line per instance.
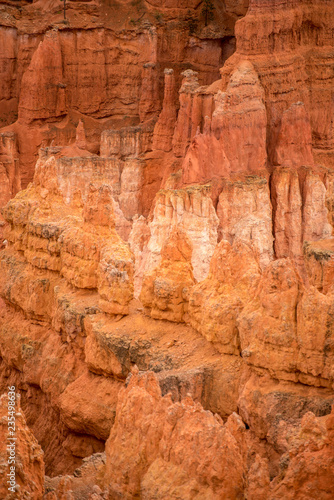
column 166, row 310
column 28, row 460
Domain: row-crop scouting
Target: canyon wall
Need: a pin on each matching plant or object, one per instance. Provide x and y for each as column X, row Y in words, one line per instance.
column 104, row 64
column 166, row 285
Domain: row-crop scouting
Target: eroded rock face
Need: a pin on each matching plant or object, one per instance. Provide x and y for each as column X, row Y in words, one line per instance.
column 185, row 129
column 274, row 410
column 215, row 303
column 167, row 437
column 64, row 261
column 9, row 168
column 84, row 415
column 232, row 126
column 294, row 143
column 224, row 192
column 285, row 82
column 240, row 119
column 272, row 315
column 244, row 211
column 44, row 72
column 300, row 212
column 169, row 465
column 106, row 70
column 165, row 291
column 313, row 451
column 286, row 318
column 84, row 248
column 193, row 209
column 287, row 203
column 315, row 213
column 164, row 129
column 26, row 460
column 319, row 264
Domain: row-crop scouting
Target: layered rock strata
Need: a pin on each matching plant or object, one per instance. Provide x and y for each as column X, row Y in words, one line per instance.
column 64, row 261
column 215, row 303
column 212, row 207
column 57, row 71
column 9, row 168
column 165, row 291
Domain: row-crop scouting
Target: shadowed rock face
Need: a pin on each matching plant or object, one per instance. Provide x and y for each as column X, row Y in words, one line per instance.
column 166, row 283
column 24, row 454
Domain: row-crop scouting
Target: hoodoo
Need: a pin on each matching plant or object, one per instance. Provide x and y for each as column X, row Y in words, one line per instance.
column 167, row 249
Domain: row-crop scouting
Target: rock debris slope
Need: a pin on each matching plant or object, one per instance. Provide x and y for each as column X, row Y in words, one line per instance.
column 166, row 283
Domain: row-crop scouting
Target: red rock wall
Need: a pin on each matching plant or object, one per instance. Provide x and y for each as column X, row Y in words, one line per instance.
column 296, row 73
column 179, row 223
column 52, row 73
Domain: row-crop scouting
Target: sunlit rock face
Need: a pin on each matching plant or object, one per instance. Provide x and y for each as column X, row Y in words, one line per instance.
column 216, row 302
column 165, row 290
column 245, row 212
column 191, row 208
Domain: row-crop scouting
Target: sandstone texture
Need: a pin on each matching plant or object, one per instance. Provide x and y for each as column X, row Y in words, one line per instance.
column 167, row 249
column 28, row 464
column 215, row 303
column 162, row 437
column 165, row 291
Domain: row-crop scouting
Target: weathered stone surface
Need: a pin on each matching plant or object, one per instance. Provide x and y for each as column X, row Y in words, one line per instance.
column 310, row 462
column 138, row 240
column 287, row 205
column 300, row 211
column 293, row 338
column 315, row 213
column 244, row 211
column 273, row 410
column 319, row 264
column 127, row 142
column 270, row 321
column 185, row 129
column 54, row 245
column 216, row 302
column 225, row 193
column 240, row 120
column 165, row 291
column 42, row 87
column 84, row 248
column 193, row 209
column 158, row 436
column 229, row 136
column 115, row 277
column 164, row 128
column 104, row 68
column 88, row 405
column 66, row 176
column 86, row 483
column 21, row 458
column 174, row 353
column 294, row 143
column 9, row 168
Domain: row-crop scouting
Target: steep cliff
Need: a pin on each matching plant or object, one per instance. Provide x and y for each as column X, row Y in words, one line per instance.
column 103, row 64
column 166, row 274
